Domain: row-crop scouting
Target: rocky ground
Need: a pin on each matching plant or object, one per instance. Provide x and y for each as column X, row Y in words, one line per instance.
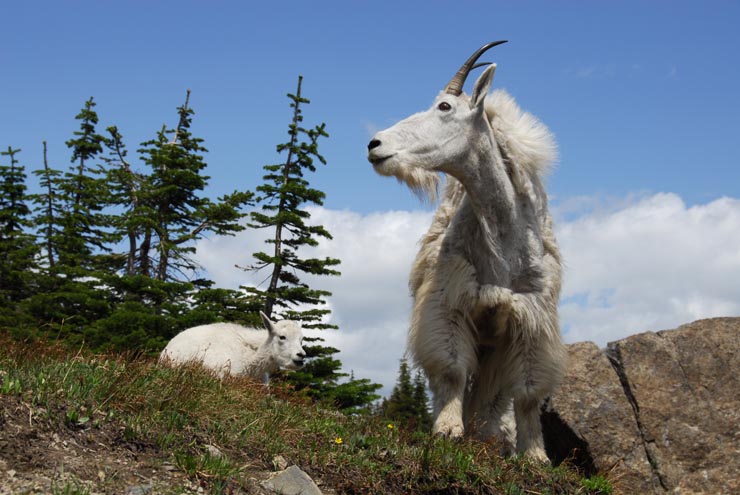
column 39, row 455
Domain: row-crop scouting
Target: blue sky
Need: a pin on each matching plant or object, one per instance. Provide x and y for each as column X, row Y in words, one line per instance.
column 642, row 97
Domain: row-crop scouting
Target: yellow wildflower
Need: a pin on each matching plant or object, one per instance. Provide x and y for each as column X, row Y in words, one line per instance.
column 390, row 426
column 338, row 441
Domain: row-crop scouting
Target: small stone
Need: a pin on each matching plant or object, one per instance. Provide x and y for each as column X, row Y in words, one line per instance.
column 213, row 451
column 279, row 463
column 291, row 481
column 139, row 490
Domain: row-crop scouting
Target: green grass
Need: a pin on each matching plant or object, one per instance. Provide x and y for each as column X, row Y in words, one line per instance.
column 598, row 484
column 182, row 411
column 70, row 488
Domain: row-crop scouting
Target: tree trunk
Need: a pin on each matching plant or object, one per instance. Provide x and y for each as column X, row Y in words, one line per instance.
column 277, row 269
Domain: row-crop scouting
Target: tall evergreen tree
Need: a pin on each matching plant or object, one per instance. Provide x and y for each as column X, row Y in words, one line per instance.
column 48, row 210
column 74, row 227
column 284, row 196
column 421, row 402
column 85, row 193
column 128, row 189
column 17, row 246
column 176, row 215
column 161, row 215
column 408, row 403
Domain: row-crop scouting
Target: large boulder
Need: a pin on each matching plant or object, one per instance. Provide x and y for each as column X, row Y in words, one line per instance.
column 660, row 411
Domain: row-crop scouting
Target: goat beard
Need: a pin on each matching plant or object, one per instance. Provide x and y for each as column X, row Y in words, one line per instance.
column 422, row 182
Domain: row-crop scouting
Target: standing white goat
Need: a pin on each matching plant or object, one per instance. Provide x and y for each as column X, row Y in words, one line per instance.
column 230, row 349
column 486, row 280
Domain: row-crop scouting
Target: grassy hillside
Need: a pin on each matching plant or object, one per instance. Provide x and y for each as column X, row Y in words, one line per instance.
column 72, row 422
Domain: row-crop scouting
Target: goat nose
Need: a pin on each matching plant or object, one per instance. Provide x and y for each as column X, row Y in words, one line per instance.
column 373, row 144
column 301, row 354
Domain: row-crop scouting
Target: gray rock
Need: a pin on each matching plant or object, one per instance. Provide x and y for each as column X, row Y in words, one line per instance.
column 291, row 481
column 213, row 451
column 139, row 490
column 659, row 410
column 590, row 421
column 279, row 462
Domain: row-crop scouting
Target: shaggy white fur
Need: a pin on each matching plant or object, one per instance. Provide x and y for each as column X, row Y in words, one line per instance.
column 486, row 280
column 230, row 349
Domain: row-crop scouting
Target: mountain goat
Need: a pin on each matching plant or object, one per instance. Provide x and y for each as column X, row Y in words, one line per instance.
column 230, row 349
column 486, row 280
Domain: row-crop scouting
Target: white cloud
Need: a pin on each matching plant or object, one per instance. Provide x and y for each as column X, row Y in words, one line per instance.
column 649, row 265
column 636, row 264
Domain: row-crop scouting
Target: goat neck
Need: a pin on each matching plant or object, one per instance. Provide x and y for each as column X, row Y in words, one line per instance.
column 483, row 175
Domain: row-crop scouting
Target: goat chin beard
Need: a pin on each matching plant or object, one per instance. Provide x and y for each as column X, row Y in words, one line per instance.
column 422, row 182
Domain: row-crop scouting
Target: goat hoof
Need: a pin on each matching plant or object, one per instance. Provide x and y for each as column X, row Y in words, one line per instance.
column 450, row 430
column 537, row 455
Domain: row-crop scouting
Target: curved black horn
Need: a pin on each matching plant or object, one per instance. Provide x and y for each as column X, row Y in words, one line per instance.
column 454, row 87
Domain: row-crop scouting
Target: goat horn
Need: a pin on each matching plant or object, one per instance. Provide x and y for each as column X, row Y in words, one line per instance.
column 454, row 87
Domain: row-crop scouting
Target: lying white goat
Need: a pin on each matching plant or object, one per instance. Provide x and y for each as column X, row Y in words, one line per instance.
column 230, row 349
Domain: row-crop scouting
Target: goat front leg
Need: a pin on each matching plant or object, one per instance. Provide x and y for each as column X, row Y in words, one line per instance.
column 448, row 357
column 443, row 342
column 445, row 348
column 448, row 391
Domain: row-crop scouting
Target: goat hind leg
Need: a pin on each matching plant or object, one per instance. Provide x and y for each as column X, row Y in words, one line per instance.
column 529, row 439
column 490, row 406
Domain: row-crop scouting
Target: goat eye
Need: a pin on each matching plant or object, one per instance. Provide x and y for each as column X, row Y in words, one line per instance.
column 444, row 106
column 282, row 337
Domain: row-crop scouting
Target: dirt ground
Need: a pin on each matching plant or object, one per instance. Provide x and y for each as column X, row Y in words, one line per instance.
column 40, row 454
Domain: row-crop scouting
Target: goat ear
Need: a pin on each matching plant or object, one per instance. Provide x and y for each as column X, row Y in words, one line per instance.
column 269, row 325
column 482, row 85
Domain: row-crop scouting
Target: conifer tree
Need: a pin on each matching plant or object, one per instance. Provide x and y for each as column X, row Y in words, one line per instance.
column 128, row 188
column 408, row 402
column 355, row 395
column 85, row 195
column 421, row 402
column 70, row 219
column 163, row 212
column 176, row 214
column 48, row 210
column 284, row 196
column 17, row 246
